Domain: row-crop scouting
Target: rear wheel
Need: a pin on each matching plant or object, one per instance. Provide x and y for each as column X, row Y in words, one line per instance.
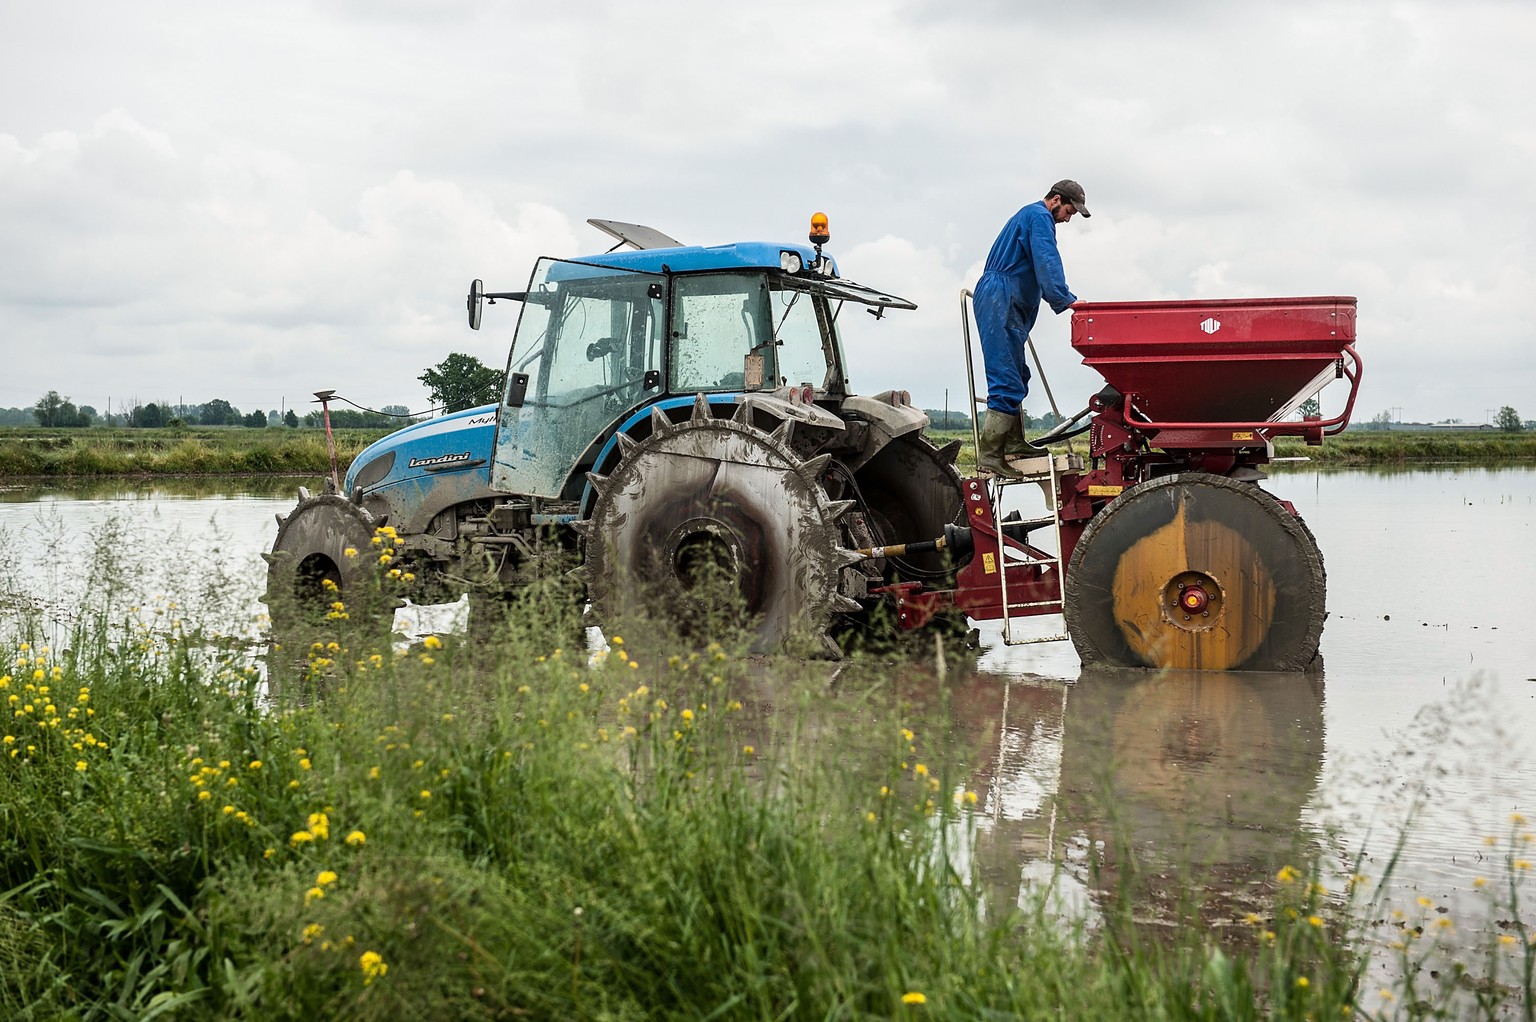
column 715, row 514
column 1196, row 571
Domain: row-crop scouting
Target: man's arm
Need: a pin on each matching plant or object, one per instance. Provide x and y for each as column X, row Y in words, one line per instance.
column 1048, row 269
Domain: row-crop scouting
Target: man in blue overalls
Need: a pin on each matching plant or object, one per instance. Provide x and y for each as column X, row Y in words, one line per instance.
column 1022, row 268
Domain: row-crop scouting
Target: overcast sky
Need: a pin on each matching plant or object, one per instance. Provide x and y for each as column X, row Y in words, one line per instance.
column 257, row 201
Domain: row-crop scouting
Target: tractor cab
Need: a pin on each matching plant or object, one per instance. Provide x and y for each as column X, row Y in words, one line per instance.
column 604, row 336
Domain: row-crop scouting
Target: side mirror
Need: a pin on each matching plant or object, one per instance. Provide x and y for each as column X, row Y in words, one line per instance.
column 476, row 293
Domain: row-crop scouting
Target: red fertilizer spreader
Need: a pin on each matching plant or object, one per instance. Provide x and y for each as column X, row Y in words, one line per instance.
column 1171, row 553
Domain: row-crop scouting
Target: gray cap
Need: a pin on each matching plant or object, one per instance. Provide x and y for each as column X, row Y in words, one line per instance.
column 1072, row 192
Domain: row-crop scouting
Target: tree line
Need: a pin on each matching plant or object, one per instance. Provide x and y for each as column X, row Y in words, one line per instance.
column 56, row 411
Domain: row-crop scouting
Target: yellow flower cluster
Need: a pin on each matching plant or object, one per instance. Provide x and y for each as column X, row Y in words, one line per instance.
column 373, row 966
column 34, row 706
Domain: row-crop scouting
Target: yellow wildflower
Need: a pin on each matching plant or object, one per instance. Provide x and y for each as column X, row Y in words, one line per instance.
column 913, row 997
column 325, row 878
column 373, row 965
column 1288, row 874
column 356, row 838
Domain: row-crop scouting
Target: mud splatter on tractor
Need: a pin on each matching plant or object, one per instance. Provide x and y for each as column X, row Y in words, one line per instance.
column 669, row 408
column 666, row 407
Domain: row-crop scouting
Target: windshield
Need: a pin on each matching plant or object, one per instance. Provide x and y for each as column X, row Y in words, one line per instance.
column 588, row 349
column 722, row 323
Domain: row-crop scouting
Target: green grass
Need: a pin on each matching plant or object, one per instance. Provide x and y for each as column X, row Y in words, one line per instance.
column 75, row 453
column 507, row 828
column 1355, row 448
column 27, row 452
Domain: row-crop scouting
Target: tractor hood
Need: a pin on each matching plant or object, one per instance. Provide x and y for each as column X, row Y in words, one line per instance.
column 417, row 471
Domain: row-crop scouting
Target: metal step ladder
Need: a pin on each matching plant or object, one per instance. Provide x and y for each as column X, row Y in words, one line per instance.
column 1041, row 470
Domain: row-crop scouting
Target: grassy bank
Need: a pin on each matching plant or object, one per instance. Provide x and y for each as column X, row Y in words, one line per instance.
column 43, row 453
column 77, row 453
column 510, row 829
column 1364, row 447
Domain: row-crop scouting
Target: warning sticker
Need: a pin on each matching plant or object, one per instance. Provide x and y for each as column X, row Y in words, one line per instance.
column 1242, row 436
column 989, row 563
column 1104, row 491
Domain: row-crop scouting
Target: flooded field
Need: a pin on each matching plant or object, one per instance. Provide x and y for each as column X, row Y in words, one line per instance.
column 1209, row 782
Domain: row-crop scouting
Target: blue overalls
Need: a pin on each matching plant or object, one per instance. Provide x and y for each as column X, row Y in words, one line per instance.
column 1022, row 267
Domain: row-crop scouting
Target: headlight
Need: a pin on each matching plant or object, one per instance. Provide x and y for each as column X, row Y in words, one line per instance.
column 789, row 261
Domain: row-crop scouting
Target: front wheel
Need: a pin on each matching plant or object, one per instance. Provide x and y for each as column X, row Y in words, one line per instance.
column 326, row 584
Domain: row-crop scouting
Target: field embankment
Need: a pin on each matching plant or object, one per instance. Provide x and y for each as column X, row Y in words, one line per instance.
column 73, row 453
column 64, row 453
column 1358, row 448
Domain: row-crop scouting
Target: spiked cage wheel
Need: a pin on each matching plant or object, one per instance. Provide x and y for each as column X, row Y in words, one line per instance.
column 315, row 588
column 718, row 498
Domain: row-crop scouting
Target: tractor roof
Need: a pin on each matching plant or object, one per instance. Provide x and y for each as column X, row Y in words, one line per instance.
column 741, row 255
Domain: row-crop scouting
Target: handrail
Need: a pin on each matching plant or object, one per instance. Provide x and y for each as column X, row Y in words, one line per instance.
column 970, row 372
column 1333, row 426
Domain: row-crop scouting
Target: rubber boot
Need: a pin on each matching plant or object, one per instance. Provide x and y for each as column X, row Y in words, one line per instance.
column 995, row 429
column 1017, row 445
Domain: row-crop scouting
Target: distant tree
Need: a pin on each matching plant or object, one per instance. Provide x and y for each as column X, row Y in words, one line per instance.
column 291, row 419
column 1311, row 406
column 1508, row 420
column 402, row 414
column 49, row 409
column 175, row 422
column 146, row 416
column 218, row 412
column 462, row 381
column 16, row 417
column 255, row 420
column 948, row 419
column 1381, row 420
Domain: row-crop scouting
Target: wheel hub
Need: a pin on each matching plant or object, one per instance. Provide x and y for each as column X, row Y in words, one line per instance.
column 702, row 551
column 1194, row 601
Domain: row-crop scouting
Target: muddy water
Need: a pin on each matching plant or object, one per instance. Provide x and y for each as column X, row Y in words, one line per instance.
column 1427, row 701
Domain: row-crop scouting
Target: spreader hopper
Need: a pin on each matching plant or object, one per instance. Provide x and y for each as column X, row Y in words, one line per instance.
column 1229, row 364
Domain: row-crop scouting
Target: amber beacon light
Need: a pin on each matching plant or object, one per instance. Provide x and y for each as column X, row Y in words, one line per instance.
column 820, row 235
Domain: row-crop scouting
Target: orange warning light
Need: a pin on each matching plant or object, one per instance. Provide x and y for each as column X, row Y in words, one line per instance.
column 820, row 235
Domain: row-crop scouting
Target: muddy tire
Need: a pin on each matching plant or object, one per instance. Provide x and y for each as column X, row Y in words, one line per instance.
column 1196, row 571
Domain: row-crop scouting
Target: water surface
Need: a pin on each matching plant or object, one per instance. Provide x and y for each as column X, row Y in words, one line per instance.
column 1429, row 687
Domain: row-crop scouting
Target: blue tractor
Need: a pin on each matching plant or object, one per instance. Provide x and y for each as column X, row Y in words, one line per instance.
column 665, row 407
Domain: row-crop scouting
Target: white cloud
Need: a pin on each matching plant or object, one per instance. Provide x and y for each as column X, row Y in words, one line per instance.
column 257, row 203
